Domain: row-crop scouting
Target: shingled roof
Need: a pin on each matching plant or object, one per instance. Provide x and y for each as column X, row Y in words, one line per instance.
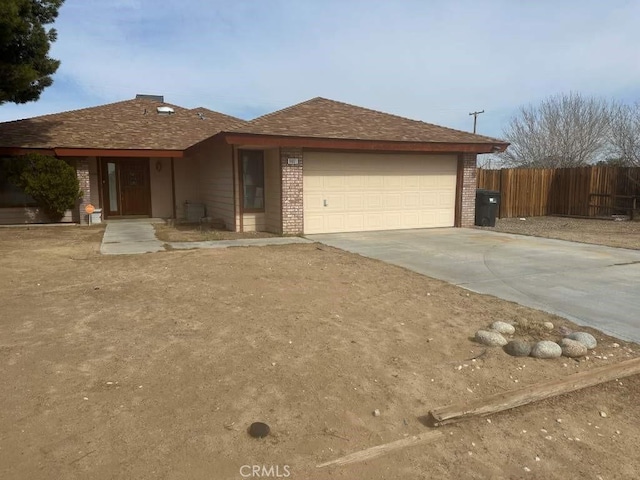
column 128, row 125
column 324, row 118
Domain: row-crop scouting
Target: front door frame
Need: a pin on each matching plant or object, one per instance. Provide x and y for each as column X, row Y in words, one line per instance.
column 104, row 187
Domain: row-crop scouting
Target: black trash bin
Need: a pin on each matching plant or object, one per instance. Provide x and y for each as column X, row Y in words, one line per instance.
column 487, row 203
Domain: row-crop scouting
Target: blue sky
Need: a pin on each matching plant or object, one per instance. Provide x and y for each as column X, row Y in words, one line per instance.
column 427, row 59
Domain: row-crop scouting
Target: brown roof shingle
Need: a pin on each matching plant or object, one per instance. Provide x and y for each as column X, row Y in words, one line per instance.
column 324, row 118
column 131, row 124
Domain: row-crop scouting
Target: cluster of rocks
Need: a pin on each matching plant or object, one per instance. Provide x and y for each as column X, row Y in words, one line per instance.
column 573, row 345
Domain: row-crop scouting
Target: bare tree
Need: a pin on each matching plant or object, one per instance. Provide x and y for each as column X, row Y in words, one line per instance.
column 624, row 134
column 566, row 130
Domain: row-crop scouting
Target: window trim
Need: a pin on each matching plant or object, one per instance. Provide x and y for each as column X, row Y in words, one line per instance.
column 242, row 186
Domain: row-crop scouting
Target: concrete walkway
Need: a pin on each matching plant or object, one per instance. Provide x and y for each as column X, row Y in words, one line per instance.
column 128, row 237
column 131, row 237
column 588, row 284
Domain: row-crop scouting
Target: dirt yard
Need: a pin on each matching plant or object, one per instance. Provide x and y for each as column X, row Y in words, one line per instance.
column 623, row 234
column 153, row 367
column 197, row 233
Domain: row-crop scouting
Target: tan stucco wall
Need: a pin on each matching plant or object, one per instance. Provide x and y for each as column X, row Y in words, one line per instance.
column 186, row 183
column 216, row 180
column 160, row 180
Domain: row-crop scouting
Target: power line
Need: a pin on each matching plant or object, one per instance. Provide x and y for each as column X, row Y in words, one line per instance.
column 475, row 119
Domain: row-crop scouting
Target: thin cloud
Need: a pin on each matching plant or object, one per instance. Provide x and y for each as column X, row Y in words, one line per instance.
column 435, row 61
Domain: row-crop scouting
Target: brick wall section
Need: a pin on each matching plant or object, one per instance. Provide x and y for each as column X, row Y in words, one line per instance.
column 82, row 172
column 468, row 206
column 292, row 206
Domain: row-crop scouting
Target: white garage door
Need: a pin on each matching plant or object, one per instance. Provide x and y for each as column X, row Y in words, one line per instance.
column 355, row 192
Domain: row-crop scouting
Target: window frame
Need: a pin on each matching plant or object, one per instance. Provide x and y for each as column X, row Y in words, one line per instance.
column 23, row 199
column 254, row 154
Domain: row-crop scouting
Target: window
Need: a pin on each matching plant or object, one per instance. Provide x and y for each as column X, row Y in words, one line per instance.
column 11, row 195
column 253, row 180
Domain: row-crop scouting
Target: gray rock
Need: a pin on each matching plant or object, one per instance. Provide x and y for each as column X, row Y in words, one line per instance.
column 518, row 348
column 546, row 349
column 548, row 325
column 584, row 338
column 564, row 331
column 490, row 338
column 572, row 348
column 503, row 328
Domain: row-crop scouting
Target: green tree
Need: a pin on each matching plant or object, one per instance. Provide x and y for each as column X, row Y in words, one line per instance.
column 25, row 65
column 50, row 181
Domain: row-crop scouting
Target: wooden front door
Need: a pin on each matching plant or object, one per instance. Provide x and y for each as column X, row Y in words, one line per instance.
column 125, row 187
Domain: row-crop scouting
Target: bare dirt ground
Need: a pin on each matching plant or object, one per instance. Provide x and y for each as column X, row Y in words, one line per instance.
column 623, row 234
column 197, row 233
column 153, row 367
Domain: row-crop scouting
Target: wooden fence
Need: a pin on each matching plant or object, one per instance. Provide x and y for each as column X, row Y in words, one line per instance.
column 585, row 192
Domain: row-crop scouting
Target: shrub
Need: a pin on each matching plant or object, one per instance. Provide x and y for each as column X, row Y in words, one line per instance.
column 50, row 181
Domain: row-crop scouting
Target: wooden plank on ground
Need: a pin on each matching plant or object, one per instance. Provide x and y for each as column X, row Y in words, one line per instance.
column 380, row 450
column 534, row 393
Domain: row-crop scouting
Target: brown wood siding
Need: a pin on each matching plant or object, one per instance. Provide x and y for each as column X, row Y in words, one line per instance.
column 586, row 191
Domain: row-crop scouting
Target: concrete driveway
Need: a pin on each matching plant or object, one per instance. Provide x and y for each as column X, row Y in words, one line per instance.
column 588, row 284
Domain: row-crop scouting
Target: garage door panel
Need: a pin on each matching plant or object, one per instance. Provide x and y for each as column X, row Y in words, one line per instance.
column 373, row 201
column 429, row 200
column 314, row 223
column 313, row 183
column 392, row 220
column 377, row 191
column 374, row 182
column 411, row 183
column 335, row 223
column 355, row 202
column 335, row 182
column 411, row 200
column 313, row 202
column 374, row 221
column 335, row 201
column 355, row 222
column 392, row 200
column 394, row 182
column 444, row 199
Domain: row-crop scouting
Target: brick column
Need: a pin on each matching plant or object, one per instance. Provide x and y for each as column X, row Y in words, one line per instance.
column 292, row 206
column 82, row 172
column 468, row 204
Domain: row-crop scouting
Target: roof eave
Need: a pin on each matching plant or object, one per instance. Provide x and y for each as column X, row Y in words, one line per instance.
column 252, row 139
column 94, row 152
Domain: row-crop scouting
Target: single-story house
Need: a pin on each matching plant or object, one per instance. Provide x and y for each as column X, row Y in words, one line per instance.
column 316, row 167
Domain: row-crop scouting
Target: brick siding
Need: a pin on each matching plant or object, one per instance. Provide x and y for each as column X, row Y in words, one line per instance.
column 292, row 205
column 468, row 204
column 82, row 172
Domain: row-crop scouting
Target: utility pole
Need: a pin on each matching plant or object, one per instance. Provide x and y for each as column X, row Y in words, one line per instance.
column 475, row 119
